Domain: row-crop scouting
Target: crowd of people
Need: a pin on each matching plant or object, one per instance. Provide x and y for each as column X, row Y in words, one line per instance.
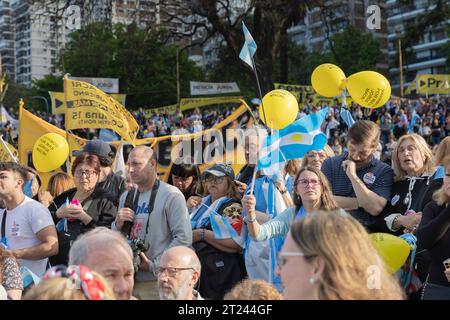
column 220, row 234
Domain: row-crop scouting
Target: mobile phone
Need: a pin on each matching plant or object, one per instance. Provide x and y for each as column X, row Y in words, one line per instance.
column 446, row 263
column 75, row 202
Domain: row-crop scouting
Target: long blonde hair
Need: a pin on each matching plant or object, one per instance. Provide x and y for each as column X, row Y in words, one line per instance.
column 440, row 196
column 442, row 151
column 348, row 255
column 421, row 144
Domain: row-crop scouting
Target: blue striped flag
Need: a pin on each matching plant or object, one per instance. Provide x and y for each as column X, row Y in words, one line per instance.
column 294, row 141
column 249, row 48
column 414, row 119
column 346, row 116
column 221, row 227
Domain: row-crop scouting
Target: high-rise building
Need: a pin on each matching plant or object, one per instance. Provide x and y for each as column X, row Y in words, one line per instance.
column 32, row 36
column 422, row 57
column 320, row 25
column 38, row 38
column 7, row 39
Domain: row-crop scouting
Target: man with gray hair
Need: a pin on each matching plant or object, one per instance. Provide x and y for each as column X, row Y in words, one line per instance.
column 108, row 253
column 178, row 272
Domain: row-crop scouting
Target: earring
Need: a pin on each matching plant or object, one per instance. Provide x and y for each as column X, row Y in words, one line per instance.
column 312, row 280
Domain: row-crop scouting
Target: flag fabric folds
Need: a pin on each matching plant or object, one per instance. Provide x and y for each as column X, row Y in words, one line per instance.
column 249, row 48
column 294, row 141
column 89, row 107
column 119, row 162
column 346, row 116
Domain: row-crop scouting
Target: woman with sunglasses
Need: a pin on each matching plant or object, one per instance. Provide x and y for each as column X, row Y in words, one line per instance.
column 329, row 256
column 312, row 193
column 82, row 208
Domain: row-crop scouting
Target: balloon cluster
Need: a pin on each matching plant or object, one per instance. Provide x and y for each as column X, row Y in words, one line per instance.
column 370, row 89
column 50, row 151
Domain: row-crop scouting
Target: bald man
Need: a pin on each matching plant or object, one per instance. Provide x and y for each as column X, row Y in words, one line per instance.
column 154, row 213
column 178, row 272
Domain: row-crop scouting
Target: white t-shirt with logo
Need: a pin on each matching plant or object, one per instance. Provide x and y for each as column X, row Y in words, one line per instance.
column 22, row 224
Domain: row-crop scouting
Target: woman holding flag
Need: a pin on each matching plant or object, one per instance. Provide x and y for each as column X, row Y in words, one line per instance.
column 216, row 233
column 312, row 193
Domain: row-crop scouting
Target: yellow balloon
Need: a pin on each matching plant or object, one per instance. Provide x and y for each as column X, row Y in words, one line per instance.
column 369, row 89
column 50, row 151
column 280, row 109
column 394, row 250
column 328, row 80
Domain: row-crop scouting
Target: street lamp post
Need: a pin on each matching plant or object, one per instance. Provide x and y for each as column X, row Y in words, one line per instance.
column 400, row 60
column 178, row 75
column 45, row 100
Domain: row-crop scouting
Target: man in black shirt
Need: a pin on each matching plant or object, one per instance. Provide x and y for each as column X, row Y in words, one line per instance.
column 113, row 183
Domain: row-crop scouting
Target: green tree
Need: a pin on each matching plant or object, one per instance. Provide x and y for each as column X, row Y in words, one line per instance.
column 143, row 62
column 14, row 93
column 354, row 50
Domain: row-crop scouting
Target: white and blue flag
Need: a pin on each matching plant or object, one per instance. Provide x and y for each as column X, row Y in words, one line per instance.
column 414, row 119
column 249, row 48
column 294, row 141
column 346, row 116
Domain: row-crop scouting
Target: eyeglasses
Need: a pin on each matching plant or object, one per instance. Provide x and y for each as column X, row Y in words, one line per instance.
column 215, row 180
column 305, row 182
column 171, row 271
column 281, row 257
column 87, row 173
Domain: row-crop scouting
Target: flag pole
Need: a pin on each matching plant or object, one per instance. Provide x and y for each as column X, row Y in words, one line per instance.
column 259, row 87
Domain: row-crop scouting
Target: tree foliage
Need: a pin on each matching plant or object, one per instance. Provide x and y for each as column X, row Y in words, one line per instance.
column 354, row 50
column 143, row 62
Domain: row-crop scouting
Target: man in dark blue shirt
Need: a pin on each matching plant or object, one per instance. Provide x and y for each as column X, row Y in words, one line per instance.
column 361, row 184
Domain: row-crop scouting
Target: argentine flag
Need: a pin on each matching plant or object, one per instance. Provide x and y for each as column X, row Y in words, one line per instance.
column 346, row 116
column 414, row 118
column 249, row 48
column 221, row 227
column 294, row 141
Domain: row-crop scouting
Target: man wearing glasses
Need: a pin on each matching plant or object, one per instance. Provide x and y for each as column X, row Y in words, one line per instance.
column 178, row 272
column 154, row 214
column 361, row 184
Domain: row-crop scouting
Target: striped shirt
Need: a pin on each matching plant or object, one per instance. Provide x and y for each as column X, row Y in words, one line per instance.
column 377, row 177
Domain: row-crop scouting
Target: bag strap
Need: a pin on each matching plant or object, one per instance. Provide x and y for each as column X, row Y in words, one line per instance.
column 151, row 204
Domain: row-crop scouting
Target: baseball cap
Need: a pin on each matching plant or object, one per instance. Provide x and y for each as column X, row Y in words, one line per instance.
column 97, row 147
column 220, row 170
